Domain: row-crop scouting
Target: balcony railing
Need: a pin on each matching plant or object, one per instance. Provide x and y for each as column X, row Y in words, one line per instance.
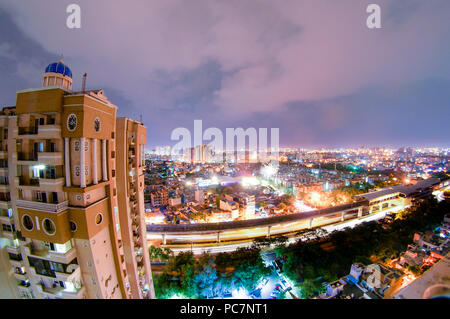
column 23, row 156
column 5, row 219
column 59, row 292
column 30, row 182
column 24, row 284
column 28, row 130
column 5, row 198
column 54, row 158
column 44, row 272
column 63, row 258
column 48, row 207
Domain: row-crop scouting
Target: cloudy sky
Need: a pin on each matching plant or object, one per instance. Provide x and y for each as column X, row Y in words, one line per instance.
column 311, row 68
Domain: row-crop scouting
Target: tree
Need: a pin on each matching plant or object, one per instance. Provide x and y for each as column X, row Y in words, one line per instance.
column 155, row 253
column 205, row 276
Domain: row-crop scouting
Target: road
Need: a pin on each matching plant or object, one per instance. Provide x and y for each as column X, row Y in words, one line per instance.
column 244, row 238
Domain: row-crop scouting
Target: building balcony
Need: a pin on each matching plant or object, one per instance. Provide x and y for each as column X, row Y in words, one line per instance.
column 22, row 277
column 6, row 220
column 63, row 258
column 52, row 184
column 26, row 157
column 47, row 207
column 24, row 131
column 75, row 275
column 32, row 158
column 30, row 184
column 24, row 287
column 5, row 204
column 16, row 263
column 60, row 293
column 49, row 131
column 51, row 158
column 3, row 154
column 13, row 249
column 4, row 187
column 9, row 234
column 44, row 273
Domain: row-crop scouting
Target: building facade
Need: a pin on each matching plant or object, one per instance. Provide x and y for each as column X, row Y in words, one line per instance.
column 68, row 237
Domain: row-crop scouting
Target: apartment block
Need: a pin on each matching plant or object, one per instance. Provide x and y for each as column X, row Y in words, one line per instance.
column 131, row 139
column 64, row 234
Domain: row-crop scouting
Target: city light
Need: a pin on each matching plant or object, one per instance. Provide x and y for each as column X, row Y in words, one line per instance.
column 227, row 210
column 249, row 181
column 315, row 197
column 268, row 171
column 240, row 293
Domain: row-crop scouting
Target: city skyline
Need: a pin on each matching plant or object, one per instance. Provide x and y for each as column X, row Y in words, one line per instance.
column 223, row 150
column 319, row 74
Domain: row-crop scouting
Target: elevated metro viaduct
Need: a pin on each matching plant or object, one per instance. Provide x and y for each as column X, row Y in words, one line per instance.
column 246, row 229
column 393, row 198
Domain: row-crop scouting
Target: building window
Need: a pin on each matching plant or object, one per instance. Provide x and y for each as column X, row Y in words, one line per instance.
column 72, row 122
column 97, row 124
column 76, row 146
column 77, row 170
column 27, row 222
column 49, row 226
column 98, row 218
column 73, row 226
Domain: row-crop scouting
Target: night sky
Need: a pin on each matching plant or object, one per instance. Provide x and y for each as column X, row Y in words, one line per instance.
column 311, row 68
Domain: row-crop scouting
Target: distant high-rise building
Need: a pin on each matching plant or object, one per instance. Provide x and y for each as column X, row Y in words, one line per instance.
column 68, row 165
column 199, row 154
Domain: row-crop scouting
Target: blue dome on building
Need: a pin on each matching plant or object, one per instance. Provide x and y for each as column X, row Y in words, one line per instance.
column 59, row 67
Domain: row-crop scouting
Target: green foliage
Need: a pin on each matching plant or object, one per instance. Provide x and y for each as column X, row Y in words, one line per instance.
column 306, row 262
column 158, row 253
column 210, row 276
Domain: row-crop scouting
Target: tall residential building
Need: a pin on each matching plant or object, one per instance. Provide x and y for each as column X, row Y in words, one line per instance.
column 131, row 139
column 62, row 164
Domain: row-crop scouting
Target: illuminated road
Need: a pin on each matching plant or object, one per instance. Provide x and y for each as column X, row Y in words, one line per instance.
column 254, row 223
column 439, row 194
column 228, row 236
column 231, row 240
